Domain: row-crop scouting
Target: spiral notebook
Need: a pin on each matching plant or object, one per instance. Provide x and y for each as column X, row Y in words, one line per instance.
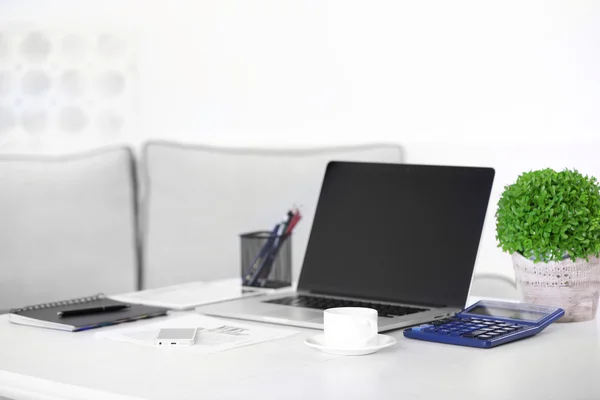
column 47, row 315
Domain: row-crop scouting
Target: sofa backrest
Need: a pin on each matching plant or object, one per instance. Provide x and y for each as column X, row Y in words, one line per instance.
column 67, row 226
column 197, row 200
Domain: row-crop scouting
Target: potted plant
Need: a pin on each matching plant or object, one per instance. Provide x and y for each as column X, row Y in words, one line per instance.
column 550, row 223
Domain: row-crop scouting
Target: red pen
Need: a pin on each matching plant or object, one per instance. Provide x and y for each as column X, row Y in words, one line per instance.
column 297, row 216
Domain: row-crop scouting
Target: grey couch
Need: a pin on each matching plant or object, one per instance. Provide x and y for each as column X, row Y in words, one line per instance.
column 108, row 221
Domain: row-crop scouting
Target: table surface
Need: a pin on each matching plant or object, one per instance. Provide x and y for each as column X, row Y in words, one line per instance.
column 562, row 362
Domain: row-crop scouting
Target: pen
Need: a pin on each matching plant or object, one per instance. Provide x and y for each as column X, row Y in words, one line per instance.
column 92, row 310
column 296, row 217
column 263, row 252
column 288, row 221
column 265, row 268
column 268, row 255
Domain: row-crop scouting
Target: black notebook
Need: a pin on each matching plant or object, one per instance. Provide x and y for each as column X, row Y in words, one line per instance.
column 48, row 315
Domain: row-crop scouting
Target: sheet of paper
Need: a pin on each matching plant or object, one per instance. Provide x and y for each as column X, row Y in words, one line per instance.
column 189, row 295
column 213, row 335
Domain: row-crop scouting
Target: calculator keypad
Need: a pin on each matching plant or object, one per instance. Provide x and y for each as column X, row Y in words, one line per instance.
column 471, row 328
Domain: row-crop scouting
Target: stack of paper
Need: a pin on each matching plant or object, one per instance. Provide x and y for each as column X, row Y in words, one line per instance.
column 213, row 335
column 189, row 295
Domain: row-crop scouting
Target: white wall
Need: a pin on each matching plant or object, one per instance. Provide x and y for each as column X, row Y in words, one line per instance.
column 514, row 84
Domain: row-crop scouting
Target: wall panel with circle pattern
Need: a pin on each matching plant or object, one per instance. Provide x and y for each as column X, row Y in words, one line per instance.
column 66, row 89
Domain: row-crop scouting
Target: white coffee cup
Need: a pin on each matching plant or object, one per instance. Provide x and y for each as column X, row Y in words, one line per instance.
column 350, row 327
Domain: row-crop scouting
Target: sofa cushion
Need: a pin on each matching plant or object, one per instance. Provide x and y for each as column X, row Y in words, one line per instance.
column 199, row 199
column 68, row 226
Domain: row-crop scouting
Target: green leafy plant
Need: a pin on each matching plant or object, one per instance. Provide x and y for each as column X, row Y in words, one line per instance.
column 549, row 215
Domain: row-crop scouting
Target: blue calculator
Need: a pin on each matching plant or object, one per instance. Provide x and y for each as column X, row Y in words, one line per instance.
column 487, row 324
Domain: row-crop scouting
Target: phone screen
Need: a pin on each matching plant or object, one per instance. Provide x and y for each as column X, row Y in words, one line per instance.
column 185, row 333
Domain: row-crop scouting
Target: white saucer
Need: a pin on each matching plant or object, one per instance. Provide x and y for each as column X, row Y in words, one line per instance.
column 318, row 342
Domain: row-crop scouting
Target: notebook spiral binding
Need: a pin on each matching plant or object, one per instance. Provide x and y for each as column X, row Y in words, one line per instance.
column 81, row 300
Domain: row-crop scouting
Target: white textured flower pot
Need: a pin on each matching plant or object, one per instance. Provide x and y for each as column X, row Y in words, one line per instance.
column 572, row 286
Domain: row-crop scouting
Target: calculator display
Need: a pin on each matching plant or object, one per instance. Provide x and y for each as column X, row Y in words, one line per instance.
column 507, row 313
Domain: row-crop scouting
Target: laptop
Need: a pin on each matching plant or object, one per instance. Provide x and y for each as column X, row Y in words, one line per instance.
column 399, row 238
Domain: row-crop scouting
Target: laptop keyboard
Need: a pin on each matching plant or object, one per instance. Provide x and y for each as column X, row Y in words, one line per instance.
column 322, row 303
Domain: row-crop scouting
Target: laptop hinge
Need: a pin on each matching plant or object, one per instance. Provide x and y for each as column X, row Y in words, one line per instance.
column 316, row 293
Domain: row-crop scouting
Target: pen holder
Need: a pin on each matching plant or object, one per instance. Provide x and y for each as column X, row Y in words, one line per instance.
column 266, row 262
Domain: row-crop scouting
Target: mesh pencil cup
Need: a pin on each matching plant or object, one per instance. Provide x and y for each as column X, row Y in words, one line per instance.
column 266, row 260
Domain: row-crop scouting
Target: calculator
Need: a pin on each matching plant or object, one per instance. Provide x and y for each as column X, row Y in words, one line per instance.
column 487, row 324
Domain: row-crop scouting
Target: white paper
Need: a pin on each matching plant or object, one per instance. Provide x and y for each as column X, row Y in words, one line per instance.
column 189, row 295
column 213, row 335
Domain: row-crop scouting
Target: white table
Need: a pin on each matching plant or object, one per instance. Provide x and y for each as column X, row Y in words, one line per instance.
column 563, row 362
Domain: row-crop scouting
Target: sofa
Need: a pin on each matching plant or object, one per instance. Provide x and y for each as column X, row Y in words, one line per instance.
column 119, row 219
column 68, row 226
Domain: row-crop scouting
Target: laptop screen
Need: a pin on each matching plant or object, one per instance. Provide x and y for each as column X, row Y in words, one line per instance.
column 397, row 232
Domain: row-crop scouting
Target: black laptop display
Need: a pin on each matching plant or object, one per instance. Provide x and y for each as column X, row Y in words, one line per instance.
column 397, row 232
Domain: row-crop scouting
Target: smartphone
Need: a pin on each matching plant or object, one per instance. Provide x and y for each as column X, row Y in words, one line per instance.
column 176, row 337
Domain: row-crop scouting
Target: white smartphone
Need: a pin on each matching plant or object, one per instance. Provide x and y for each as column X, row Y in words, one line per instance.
column 176, row 337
